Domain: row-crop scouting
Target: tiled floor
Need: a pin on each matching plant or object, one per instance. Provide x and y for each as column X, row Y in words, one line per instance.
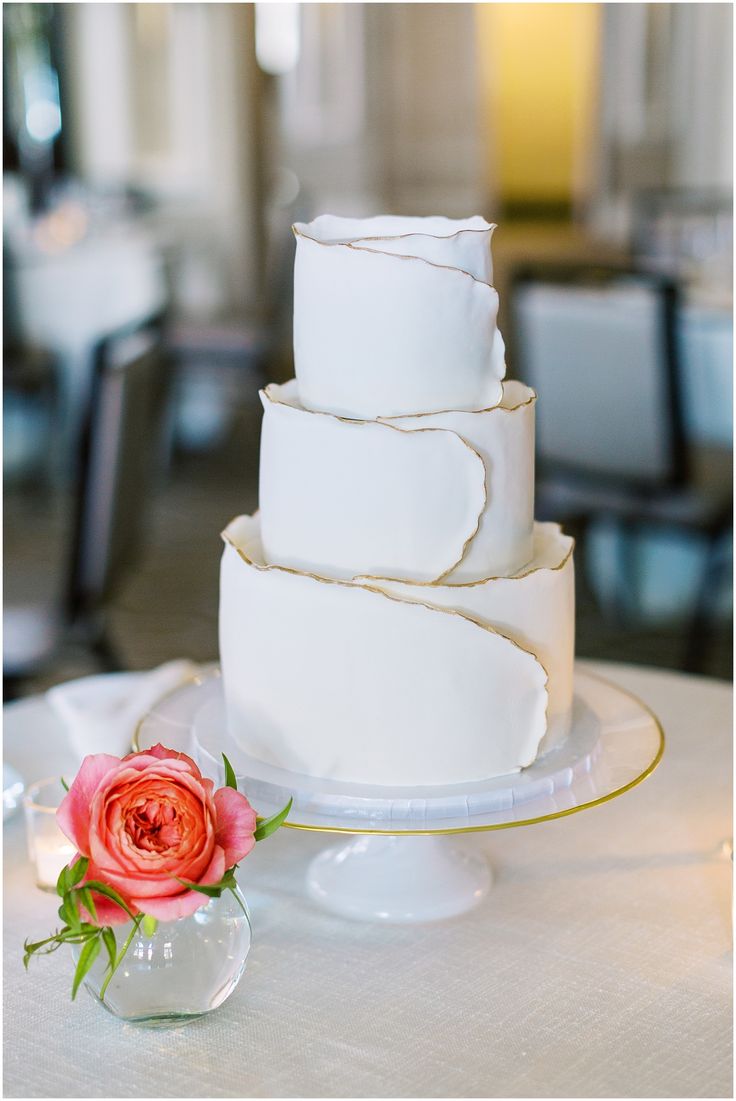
column 167, row 606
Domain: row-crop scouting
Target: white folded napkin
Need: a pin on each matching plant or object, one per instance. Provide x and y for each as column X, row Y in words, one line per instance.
column 102, row 712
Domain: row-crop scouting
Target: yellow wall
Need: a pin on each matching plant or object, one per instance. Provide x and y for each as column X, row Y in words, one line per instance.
column 538, row 66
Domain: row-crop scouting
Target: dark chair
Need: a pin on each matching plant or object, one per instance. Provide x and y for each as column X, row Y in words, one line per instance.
column 31, row 392
column 600, row 347
column 120, row 443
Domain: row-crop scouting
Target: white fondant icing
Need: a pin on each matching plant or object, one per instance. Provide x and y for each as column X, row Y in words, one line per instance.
column 504, row 437
column 336, row 494
column 390, row 323
column 403, row 454
column 339, row 679
column 537, row 608
column 343, row 497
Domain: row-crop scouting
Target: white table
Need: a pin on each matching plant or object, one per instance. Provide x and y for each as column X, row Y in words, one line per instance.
column 69, row 300
column 599, row 965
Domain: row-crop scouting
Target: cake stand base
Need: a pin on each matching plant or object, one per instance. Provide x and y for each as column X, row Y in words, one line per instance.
column 398, row 879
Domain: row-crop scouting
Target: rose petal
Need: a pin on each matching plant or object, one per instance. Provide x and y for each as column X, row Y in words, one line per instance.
column 236, row 823
column 120, row 813
column 73, row 814
column 172, row 907
column 162, row 881
column 109, row 844
column 163, row 754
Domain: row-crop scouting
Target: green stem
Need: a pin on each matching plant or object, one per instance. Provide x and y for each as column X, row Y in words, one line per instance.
column 237, row 898
column 136, row 925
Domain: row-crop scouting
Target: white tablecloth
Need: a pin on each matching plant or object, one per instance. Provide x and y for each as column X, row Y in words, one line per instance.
column 68, row 301
column 598, row 966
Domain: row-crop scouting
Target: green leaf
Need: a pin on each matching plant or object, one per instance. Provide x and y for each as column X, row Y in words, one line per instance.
column 111, row 893
column 87, row 957
column 61, row 936
column 212, row 890
column 85, row 897
column 34, row 946
column 69, row 912
column 77, row 871
column 74, row 918
column 29, row 948
column 62, row 883
column 230, row 780
column 64, row 783
column 150, row 924
column 268, row 826
column 108, row 937
column 54, row 944
column 70, row 875
column 85, row 930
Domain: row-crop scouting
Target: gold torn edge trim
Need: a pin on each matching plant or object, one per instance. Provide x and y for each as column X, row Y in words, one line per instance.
column 489, row 409
column 483, row 580
column 267, row 568
column 489, row 227
column 353, row 830
column 395, row 256
column 407, row 432
column 533, row 396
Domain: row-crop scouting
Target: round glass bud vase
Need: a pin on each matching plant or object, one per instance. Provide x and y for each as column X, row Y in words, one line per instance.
column 184, row 970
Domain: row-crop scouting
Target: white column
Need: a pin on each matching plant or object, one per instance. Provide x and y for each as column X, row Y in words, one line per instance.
column 100, row 93
column 434, row 156
column 703, row 96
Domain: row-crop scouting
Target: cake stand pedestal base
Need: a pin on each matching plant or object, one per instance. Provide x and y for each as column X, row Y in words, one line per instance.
column 398, row 879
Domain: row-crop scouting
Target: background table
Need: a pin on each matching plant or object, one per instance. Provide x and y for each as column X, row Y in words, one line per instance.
column 67, row 301
column 599, row 965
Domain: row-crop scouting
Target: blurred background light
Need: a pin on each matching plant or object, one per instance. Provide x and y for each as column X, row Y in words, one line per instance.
column 43, row 113
column 278, row 37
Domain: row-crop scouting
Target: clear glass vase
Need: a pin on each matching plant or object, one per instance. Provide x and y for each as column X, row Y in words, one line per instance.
column 185, row 970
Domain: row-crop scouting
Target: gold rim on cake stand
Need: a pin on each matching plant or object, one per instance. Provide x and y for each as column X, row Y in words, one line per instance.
column 209, row 670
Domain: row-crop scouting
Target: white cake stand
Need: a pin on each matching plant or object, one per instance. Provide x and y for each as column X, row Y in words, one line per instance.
column 404, row 860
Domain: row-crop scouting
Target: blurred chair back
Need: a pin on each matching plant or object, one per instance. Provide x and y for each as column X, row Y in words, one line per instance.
column 121, row 441
column 599, row 347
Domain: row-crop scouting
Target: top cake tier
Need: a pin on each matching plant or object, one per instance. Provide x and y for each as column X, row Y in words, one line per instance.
column 394, row 316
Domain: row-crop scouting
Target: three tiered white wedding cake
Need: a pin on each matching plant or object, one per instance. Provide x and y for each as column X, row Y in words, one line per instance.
column 393, row 615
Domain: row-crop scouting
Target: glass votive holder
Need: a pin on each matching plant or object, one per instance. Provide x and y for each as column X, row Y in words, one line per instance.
column 48, row 849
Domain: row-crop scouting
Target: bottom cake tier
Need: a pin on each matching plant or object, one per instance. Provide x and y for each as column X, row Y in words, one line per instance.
column 385, row 682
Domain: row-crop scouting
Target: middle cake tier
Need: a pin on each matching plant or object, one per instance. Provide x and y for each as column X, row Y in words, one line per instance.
column 427, row 497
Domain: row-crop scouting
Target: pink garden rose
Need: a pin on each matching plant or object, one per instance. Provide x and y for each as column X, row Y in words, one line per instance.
column 149, row 820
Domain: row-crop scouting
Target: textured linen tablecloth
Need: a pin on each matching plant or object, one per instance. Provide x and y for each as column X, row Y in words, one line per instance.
column 598, row 966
